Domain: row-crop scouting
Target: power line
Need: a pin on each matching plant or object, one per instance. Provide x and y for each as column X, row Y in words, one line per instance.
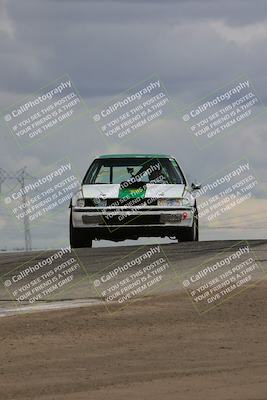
column 20, row 176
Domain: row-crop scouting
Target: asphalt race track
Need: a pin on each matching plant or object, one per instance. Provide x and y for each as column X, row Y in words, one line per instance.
column 92, row 264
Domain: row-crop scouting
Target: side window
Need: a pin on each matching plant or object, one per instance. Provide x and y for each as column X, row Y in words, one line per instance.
column 177, row 170
column 103, row 175
column 166, row 174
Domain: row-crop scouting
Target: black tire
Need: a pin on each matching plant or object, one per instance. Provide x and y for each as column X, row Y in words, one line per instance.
column 79, row 237
column 190, row 234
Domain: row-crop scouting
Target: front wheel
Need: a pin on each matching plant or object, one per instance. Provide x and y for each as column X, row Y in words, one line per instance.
column 78, row 236
column 190, row 234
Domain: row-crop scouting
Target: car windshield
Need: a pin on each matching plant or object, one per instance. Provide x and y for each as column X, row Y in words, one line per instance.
column 134, row 171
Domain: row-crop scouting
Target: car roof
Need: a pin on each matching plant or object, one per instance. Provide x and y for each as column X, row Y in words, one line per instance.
column 135, row 156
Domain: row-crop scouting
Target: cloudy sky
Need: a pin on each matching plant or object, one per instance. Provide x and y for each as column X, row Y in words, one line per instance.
column 109, row 46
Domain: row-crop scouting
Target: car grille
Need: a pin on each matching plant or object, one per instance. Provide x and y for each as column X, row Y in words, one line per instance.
column 133, row 220
column 124, row 202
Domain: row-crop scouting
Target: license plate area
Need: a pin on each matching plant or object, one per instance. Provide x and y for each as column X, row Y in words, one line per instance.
column 171, row 218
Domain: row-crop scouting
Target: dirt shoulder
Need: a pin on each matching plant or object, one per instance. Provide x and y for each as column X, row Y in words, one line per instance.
column 156, row 348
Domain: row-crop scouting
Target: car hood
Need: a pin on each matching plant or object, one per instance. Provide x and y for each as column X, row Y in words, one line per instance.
column 113, row 191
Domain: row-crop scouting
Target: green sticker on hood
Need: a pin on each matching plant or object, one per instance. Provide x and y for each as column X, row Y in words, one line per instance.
column 132, row 193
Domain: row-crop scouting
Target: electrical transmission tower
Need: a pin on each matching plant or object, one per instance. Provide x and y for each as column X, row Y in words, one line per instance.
column 20, row 176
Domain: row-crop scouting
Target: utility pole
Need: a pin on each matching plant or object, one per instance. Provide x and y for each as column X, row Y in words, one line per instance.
column 21, row 175
column 3, row 176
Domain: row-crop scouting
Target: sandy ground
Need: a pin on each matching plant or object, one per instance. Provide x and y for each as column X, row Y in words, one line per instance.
column 157, row 348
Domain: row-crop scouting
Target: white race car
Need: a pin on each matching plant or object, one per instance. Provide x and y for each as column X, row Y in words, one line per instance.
column 127, row 196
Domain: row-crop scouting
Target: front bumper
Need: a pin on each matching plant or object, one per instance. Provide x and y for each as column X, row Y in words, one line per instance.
column 132, row 219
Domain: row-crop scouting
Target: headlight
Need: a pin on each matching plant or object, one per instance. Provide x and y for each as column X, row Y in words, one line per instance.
column 174, row 202
column 100, row 202
column 80, row 203
column 185, row 202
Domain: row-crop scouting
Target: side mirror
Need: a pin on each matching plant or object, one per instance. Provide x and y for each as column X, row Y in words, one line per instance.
column 195, row 186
